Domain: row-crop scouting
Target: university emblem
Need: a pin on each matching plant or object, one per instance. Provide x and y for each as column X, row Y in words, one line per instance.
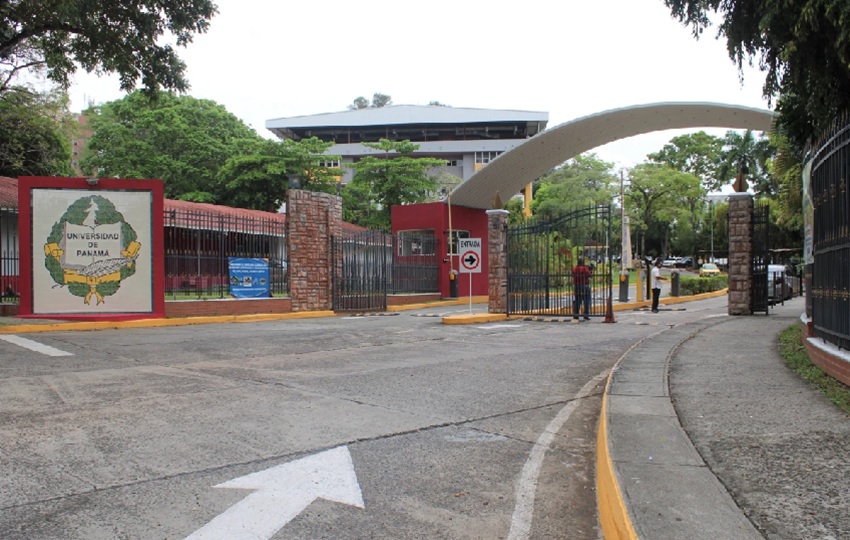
column 91, row 249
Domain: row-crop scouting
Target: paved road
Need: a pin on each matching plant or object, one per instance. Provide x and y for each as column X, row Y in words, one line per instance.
column 415, row 429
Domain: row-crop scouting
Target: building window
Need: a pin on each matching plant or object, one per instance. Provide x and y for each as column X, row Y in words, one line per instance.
column 453, row 238
column 333, row 164
column 416, row 242
column 454, row 163
column 485, row 157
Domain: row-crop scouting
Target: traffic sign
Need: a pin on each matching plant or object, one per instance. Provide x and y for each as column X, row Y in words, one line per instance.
column 470, row 255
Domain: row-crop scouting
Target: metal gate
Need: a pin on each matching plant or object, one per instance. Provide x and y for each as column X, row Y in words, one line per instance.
column 360, row 271
column 541, row 255
column 761, row 257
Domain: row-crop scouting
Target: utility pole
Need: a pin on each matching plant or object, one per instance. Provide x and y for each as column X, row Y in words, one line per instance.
column 711, row 217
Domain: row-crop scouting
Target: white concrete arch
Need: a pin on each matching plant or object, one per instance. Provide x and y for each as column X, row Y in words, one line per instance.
column 513, row 170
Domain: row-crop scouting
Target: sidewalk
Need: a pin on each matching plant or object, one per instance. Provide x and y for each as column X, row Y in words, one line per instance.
column 706, row 434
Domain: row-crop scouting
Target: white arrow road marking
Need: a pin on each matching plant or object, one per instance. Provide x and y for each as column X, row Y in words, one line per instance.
column 527, row 485
column 34, row 346
column 283, row 492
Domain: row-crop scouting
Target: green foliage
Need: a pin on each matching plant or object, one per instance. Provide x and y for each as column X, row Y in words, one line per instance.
column 797, row 358
column 127, row 38
column 696, row 153
column 658, row 196
column 180, row 139
column 36, row 132
column 358, row 206
column 802, row 45
column 259, row 178
column 581, row 182
column 745, row 154
column 397, row 178
column 378, row 100
column 515, row 206
column 787, row 170
column 698, row 285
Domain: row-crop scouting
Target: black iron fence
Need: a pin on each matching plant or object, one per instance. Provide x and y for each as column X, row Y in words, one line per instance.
column 542, row 255
column 761, row 257
column 9, row 288
column 199, row 245
column 830, row 278
column 367, row 266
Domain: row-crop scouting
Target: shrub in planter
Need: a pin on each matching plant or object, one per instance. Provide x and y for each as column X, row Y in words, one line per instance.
column 698, row 285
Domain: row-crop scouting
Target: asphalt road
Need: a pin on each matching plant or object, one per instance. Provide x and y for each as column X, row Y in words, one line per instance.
column 348, row 427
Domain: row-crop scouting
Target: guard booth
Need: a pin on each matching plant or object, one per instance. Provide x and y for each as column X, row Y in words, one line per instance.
column 450, row 225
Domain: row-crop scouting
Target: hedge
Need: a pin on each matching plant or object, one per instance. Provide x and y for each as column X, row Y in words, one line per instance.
column 699, row 285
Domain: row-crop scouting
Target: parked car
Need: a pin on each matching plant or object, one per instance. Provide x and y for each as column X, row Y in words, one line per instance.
column 669, row 263
column 709, row 269
column 684, row 262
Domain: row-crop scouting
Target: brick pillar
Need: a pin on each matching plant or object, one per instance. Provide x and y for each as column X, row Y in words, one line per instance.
column 497, row 261
column 311, row 220
column 740, row 254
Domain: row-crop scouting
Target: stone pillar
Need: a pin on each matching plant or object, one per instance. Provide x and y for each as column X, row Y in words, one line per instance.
column 740, row 254
column 497, row 259
column 311, row 220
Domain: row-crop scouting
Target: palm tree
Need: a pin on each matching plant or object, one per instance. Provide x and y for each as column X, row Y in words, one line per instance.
column 746, row 157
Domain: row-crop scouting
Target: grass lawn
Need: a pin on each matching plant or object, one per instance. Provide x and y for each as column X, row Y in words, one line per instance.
column 792, row 349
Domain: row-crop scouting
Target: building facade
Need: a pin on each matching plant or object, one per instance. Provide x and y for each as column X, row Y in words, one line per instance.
column 467, row 139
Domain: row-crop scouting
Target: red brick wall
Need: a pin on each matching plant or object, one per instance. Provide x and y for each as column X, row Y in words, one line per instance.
column 209, row 308
column 740, row 254
column 312, row 219
column 836, row 367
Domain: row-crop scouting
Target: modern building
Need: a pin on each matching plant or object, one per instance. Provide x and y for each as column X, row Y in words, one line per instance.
column 467, row 139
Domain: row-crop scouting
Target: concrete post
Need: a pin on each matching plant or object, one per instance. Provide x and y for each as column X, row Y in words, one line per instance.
column 497, row 258
column 741, row 254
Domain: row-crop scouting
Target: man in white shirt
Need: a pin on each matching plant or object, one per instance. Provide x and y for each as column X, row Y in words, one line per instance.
column 656, row 285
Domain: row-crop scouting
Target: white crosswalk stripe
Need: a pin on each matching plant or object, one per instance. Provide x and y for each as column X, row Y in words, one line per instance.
column 34, row 346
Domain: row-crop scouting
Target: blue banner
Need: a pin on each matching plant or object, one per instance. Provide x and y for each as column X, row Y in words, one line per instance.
column 249, row 278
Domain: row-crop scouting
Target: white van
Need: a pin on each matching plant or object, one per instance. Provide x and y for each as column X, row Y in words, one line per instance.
column 780, row 286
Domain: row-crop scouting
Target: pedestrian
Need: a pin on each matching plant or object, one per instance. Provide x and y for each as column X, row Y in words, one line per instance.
column 657, row 278
column 581, row 289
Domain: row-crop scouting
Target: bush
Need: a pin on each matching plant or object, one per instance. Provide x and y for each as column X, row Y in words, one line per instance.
column 698, row 285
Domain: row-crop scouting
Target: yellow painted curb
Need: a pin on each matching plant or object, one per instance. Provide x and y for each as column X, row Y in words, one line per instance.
column 475, row 318
column 613, row 514
column 670, row 300
column 438, row 303
column 156, row 323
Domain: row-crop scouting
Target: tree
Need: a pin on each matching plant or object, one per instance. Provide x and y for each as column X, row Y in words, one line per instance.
column 803, row 46
column 127, row 38
column 378, row 100
column 258, row 176
column 745, row 156
column 654, row 202
column 395, row 179
column 36, row 132
column 579, row 182
column 180, row 139
column 786, row 168
column 359, row 207
column 695, row 153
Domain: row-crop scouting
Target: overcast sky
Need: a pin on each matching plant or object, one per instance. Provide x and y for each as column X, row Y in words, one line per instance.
column 265, row 59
